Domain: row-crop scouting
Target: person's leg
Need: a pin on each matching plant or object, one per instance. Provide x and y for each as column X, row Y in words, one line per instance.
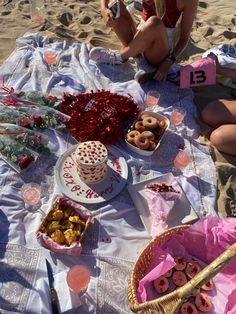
column 219, row 112
column 124, row 28
column 151, row 40
column 224, row 138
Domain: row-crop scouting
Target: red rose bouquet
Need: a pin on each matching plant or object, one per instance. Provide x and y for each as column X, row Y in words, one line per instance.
column 101, row 116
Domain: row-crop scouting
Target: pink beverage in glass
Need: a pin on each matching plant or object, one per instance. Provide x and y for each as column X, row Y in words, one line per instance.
column 31, row 193
column 50, row 56
column 177, row 115
column 78, row 278
column 182, row 160
column 152, row 98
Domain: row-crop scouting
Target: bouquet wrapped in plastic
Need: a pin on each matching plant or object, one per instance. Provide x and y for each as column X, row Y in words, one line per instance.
column 15, row 154
column 26, row 137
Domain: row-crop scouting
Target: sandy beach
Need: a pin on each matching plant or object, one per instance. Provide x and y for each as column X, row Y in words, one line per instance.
column 80, row 21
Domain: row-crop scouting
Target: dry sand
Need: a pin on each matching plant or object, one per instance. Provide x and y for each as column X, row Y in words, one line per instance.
column 80, row 20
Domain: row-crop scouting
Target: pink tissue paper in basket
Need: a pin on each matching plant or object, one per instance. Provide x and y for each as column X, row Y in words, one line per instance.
column 203, row 241
column 75, row 248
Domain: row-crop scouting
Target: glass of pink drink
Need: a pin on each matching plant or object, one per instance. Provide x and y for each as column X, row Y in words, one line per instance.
column 31, row 193
column 78, row 278
column 177, row 115
column 182, row 160
column 152, row 99
column 50, row 56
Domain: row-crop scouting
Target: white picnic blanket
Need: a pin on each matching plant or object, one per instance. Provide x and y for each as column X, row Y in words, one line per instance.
column 118, row 234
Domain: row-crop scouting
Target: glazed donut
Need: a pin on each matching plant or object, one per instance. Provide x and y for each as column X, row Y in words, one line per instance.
column 141, row 142
column 149, row 135
column 145, row 115
column 203, row 302
column 139, row 126
column 161, row 284
column 208, row 285
column 192, row 269
column 188, row 307
column 131, row 136
column 180, row 263
column 179, row 278
column 152, row 145
column 162, row 124
column 150, row 123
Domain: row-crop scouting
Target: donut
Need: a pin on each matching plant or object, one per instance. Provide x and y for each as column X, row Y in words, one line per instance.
column 131, row 136
column 145, row 115
column 168, row 274
column 139, row 126
column 152, row 145
column 192, row 269
column 208, row 285
column 203, row 302
column 179, row 278
column 162, row 124
column 180, row 263
column 161, row 284
column 149, row 135
column 188, row 308
column 150, row 123
column 141, row 141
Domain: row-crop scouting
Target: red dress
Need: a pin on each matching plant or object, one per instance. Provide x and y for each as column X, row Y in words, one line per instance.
column 170, row 17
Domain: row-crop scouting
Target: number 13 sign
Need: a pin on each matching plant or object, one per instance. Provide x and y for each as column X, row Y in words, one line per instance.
column 198, row 73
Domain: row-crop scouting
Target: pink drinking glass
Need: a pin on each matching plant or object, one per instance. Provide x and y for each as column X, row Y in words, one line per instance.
column 152, row 99
column 50, row 56
column 31, row 193
column 182, row 160
column 177, row 115
column 78, row 278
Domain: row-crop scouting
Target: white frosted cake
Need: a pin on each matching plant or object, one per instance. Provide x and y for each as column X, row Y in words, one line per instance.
column 91, row 157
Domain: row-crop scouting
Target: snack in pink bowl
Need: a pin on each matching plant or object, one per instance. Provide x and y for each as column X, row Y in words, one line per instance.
column 64, row 226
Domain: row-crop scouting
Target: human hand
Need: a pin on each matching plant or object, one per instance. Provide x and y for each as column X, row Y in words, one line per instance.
column 162, row 70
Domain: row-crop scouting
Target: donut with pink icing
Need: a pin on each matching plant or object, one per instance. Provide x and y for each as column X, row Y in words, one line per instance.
column 161, row 284
column 91, row 157
column 208, row 285
column 180, row 263
column 188, row 308
column 203, row 302
column 179, row 278
column 192, row 269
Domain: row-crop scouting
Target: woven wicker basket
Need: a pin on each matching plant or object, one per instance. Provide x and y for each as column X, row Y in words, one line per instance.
column 170, row 303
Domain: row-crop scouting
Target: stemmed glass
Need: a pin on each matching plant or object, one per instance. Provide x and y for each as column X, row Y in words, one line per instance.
column 181, row 161
column 50, row 56
column 177, row 115
column 152, row 99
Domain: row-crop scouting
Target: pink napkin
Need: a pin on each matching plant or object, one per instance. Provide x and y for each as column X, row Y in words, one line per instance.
column 201, row 72
column 160, row 205
column 163, row 262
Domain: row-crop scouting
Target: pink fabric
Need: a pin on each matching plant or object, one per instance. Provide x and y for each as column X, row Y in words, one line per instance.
column 203, row 241
column 201, row 72
column 159, row 205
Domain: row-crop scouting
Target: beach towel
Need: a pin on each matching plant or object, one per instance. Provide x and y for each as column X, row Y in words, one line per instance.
column 115, row 221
